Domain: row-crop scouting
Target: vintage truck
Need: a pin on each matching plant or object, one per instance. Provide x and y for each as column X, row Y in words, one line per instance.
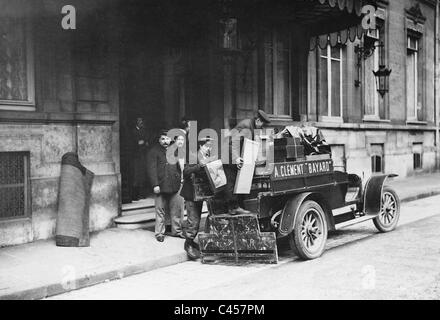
column 302, row 201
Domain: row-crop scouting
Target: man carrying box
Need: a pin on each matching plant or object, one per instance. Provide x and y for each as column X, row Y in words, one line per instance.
column 245, row 128
column 194, row 208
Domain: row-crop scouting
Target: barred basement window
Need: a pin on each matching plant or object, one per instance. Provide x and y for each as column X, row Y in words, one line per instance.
column 417, row 161
column 377, row 158
column 417, row 156
column 376, row 164
column 14, row 185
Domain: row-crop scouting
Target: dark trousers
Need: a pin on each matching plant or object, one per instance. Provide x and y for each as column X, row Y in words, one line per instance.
column 231, row 199
column 194, row 214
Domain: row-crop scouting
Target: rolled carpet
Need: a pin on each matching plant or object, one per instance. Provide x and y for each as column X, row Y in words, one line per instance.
column 72, row 229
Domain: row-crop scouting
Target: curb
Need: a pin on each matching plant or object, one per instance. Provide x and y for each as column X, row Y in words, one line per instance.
column 94, row 279
column 420, row 196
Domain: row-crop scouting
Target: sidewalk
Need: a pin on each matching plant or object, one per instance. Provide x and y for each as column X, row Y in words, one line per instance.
column 41, row 269
column 417, row 187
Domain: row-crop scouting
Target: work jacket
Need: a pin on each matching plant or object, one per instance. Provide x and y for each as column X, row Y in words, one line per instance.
column 187, row 191
column 161, row 173
column 235, row 148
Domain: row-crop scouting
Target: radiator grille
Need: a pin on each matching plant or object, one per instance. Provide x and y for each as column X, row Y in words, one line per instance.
column 14, row 184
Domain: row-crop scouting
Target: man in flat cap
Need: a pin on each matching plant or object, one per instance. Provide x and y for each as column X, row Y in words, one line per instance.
column 258, row 122
column 245, row 128
column 194, row 208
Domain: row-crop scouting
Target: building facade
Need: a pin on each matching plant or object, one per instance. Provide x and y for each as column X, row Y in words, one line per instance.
column 370, row 133
column 212, row 61
column 58, row 94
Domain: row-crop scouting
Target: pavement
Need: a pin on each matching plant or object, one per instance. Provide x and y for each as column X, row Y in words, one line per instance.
column 41, row 269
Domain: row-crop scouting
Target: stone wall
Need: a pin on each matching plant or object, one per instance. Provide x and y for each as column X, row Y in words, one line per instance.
column 397, row 147
column 47, row 144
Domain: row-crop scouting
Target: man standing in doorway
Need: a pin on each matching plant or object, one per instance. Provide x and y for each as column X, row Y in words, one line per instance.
column 140, row 150
column 165, row 178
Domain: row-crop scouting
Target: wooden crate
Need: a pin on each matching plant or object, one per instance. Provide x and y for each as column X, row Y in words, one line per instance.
column 202, row 188
column 237, row 239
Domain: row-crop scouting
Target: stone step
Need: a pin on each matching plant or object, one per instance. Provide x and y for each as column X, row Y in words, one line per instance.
column 140, row 220
column 135, row 221
column 136, row 205
column 138, row 211
column 142, row 215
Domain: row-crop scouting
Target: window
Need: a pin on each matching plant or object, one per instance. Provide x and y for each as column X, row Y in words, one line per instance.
column 374, row 102
column 91, row 67
column 330, row 82
column 414, row 79
column 418, row 156
column 14, row 185
column 16, row 63
column 277, row 65
column 338, row 156
column 377, row 158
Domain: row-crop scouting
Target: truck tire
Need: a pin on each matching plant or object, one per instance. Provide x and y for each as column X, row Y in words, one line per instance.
column 389, row 214
column 310, row 231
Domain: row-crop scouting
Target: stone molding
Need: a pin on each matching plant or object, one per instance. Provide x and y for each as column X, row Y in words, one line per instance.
column 57, row 117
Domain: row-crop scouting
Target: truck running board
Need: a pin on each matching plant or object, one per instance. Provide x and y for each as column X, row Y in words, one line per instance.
column 354, row 221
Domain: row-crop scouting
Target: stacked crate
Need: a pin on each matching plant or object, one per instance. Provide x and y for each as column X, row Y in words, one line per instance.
column 237, row 239
column 288, row 149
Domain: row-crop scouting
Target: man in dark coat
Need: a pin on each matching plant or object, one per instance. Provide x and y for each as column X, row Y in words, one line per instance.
column 247, row 128
column 140, row 149
column 165, row 178
column 194, row 208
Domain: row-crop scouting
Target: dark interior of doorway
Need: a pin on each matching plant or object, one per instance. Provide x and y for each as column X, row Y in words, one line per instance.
column 153, row 33
column 140, row 90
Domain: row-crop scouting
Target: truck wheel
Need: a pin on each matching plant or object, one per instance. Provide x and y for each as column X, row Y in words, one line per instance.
column 310, row 231
column 389, row 214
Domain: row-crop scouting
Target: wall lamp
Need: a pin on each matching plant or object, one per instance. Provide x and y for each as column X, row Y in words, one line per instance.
column 382, row 75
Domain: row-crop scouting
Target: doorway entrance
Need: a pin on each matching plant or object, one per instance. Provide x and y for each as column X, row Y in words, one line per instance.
column 153, row 86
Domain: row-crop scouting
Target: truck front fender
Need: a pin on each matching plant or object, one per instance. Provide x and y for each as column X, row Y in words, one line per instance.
column 373, row 194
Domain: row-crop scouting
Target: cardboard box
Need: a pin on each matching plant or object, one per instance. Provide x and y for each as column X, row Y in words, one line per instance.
column 202, row 189
column 288, row 142
column 289, row 152
column 216, row 175
column 295, row 152
column 245, row 174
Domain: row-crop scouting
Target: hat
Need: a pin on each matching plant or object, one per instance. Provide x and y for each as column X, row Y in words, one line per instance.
column 179, row 133
column 206, row 139
column 163, row 132
column 202, row 141
column 263, row 116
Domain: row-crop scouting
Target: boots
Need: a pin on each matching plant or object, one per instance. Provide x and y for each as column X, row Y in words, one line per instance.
column 192, row 249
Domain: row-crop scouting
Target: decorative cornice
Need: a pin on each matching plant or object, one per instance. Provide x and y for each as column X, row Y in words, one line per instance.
column 431, row 3
column 415, row 13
